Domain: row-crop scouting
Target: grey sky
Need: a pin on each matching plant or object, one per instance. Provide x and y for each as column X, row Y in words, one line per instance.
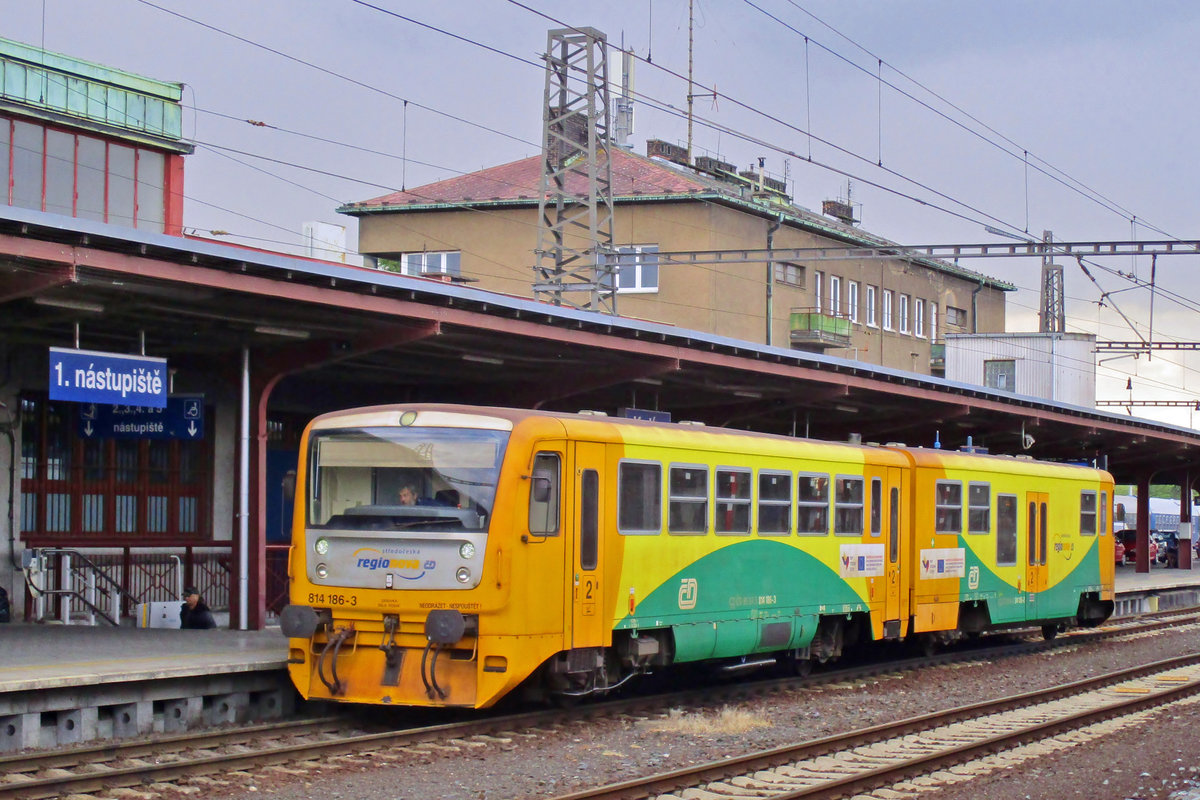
column 1100, row 89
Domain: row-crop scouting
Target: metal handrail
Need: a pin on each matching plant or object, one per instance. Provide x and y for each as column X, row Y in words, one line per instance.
column 63, row 551
column 107, row 585
column 83, row 599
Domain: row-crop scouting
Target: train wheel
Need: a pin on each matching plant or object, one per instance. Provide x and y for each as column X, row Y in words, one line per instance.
column 1049, row 632
column 794, row 665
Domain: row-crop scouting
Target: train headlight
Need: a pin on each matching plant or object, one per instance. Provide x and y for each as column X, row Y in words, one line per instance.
column 467, row 550
column 321, row 546
column 463, row 574
column 322, row 571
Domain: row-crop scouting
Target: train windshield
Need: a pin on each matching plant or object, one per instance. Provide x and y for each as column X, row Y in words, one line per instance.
column 398, row 479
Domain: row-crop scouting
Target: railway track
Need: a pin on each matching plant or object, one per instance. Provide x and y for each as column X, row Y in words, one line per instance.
column 160, row 761
column 900, row 755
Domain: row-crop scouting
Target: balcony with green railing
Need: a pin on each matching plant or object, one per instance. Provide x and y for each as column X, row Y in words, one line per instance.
column 814, row 330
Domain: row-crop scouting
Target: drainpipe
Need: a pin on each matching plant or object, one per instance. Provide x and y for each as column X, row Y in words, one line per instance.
column 7, row 430
column 774, row 226
column 975, row 307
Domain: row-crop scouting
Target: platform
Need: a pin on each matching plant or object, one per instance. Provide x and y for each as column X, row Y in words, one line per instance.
column 1160, row 589
column 65, row 684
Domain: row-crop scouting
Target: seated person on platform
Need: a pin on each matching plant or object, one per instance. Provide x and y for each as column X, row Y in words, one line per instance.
column 194, row 614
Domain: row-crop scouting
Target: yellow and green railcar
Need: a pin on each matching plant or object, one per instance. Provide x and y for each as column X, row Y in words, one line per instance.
column 1004, row 541
column 564, row 554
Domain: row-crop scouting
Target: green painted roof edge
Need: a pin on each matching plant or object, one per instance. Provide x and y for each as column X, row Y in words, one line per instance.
column 63, row 63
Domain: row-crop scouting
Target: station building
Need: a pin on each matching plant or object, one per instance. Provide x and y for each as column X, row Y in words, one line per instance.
column 482, row 227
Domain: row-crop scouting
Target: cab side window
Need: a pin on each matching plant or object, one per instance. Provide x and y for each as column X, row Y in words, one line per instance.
column 545, row 481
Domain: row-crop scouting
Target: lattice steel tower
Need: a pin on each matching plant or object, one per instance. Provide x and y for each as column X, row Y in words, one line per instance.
column 1053, row 312
column 575, row 261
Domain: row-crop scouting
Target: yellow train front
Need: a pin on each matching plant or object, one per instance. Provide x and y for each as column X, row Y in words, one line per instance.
column 410, row 584
column 447, row 555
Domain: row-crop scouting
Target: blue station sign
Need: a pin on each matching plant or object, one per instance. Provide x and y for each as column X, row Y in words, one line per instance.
column 88, row 376
column 646, row 413
column 182, row 418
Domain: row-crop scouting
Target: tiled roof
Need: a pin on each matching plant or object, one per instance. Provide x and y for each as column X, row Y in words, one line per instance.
column 520, row 180
column 633, row 176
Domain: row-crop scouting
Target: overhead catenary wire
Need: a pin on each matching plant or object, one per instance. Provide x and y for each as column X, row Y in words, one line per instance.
column 351, row 179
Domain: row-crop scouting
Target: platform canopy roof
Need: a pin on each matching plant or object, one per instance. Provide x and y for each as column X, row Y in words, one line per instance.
column 335, row 336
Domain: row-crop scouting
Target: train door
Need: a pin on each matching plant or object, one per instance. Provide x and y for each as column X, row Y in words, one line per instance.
column 893, row 557
column 1036, row 518
column 587, row 604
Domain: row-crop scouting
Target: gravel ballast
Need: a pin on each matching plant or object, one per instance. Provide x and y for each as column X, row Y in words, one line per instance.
column 1154, row 757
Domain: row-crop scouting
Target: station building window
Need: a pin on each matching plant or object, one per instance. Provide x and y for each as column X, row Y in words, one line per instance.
column 106, row 492
column 789, row 273
column 637, row 268
column 430, row 263
column 80, row 175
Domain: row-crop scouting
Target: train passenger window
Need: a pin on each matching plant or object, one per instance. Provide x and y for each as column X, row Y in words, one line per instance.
column 1104, row 513
column 876, row 506
column 948, row 507
column 687, row 511
column 1087, row 513
column 1032, row 533
column 979, row 508
column 812, row 504
column 774, row 503
column 543, row 494
column 894, row 527
column 848, row 506
column 1043, row 534
column 733, row 501
column 589, row 519
column 1006, row 530
column 639, row 498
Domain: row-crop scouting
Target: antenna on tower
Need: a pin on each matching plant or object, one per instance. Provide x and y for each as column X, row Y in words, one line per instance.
column 623, row 126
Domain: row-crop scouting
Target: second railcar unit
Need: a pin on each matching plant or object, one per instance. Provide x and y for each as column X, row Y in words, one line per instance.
column 449, row 555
